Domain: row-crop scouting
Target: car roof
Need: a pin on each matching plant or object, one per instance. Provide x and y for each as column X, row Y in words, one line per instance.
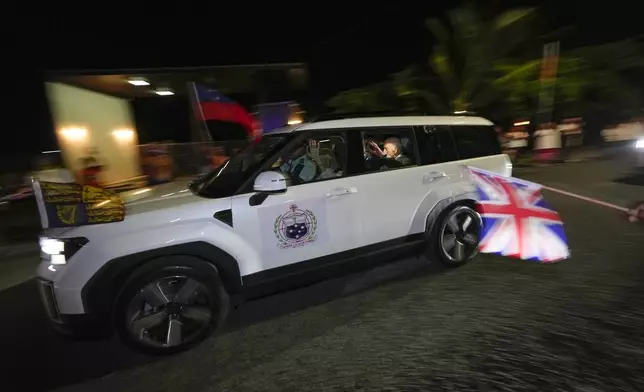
column 365, row 122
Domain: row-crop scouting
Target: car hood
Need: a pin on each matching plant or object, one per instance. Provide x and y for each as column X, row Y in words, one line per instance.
column 150, row 199
column 157, row 197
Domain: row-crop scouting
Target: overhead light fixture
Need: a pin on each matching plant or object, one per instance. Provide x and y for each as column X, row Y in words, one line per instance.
column 164, row 92
column 520, row 123
column 138, row 82
column 123, row 134
column 74, row 133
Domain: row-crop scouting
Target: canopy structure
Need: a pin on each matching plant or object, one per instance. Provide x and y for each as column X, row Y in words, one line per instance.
column 267, row 82
column 106, row 114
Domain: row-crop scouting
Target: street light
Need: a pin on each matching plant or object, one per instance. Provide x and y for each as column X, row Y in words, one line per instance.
column 138, row 82
column 164, row 92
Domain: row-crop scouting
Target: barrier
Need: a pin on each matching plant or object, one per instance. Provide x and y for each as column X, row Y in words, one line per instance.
column 163, row 162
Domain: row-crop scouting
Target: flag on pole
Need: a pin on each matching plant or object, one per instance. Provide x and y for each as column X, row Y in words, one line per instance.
column 215, row 106
column 517, row 222
column 200, row 130
column 66, row 205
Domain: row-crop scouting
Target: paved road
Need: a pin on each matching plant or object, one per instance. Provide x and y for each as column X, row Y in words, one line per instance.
column 495, row 324
column 607, row 180
column 18, row 265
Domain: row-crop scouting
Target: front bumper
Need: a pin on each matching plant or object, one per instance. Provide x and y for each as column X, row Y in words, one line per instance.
column 78, row 326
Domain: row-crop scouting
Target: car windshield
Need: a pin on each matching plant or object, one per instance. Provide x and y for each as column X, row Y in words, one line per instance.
column 226, row 179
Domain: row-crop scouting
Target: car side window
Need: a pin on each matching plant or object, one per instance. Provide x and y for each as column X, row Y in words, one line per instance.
column 388, row 148
column 476, row 141
column 435, row 144
column 318, row 157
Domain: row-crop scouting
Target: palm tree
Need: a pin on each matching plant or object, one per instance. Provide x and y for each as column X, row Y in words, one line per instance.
column 588, row 78
column 487, row 65
column 373, row 98
column 467, row 49
column 460, row 73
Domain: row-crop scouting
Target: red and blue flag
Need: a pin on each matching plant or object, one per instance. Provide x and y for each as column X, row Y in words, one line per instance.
column 517, row 222
column 215, row 106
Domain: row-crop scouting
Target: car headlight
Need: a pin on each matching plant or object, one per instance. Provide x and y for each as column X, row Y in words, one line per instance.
column 59, row 250
column 639, row 143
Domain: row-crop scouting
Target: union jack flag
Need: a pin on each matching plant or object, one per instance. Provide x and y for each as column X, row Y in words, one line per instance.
column 517, row 222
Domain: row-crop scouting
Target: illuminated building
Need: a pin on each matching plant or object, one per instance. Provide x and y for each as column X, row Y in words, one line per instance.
column 110, row 112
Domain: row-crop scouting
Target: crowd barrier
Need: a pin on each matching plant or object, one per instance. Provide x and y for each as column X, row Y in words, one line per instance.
column 162, row 163
column 570, row 145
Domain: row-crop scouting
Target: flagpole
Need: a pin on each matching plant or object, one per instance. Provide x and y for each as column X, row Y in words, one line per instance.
column 194, row 99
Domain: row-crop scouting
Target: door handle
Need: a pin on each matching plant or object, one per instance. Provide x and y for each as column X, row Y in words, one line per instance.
column 341, row 192
column 431, row 176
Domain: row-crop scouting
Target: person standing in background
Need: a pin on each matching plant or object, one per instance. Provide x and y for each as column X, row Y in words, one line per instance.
column 571, row 136
column 90, row 172
column 515, row 140
column 636, row 214
column 547, row 144
column 161, row 163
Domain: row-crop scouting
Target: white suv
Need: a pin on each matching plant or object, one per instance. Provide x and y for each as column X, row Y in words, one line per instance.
column 284, row 212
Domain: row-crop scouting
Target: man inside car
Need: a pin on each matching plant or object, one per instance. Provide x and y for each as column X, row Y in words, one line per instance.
column 300, row 166
column 392, row 150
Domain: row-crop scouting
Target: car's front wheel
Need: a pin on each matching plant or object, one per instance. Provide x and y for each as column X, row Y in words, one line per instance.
column 170, row 305
column 455, row 236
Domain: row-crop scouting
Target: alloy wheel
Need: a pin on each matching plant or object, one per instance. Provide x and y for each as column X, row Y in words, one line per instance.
column 459, row 236
column 169, row 312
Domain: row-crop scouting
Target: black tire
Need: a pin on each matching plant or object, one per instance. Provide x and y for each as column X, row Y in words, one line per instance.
column 211, row 302
column 436, row 247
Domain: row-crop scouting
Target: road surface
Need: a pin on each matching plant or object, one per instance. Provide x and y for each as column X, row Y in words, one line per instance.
column 607, row 180
column 496, row 324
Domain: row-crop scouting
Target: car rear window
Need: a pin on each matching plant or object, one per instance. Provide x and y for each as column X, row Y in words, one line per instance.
column 476, row 141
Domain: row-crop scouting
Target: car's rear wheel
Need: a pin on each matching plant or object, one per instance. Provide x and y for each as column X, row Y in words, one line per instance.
column 170, row 305
column 455, row 236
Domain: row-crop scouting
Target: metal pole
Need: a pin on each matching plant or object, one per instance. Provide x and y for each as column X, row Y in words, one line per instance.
column 200, row 127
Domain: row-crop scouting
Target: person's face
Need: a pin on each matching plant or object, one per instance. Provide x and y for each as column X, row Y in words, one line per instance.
column 390, row 150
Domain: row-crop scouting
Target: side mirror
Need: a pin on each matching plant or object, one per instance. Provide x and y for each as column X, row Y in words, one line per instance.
column 270, row 182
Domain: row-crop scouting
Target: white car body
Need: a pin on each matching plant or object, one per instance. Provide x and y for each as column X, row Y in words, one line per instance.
column 360, row 211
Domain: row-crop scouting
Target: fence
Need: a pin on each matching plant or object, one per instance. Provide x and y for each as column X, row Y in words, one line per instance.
column 19, row 221
column 520, row 146
column 164, row 162
column 160, row 162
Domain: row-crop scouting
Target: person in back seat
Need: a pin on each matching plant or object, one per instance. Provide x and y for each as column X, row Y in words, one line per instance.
column 392, row 150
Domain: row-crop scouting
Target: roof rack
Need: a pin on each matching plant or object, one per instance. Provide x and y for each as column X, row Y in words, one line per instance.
column 342, row 116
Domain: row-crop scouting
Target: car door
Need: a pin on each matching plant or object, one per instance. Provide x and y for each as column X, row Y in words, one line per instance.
column 393, row 199
column 311, row 219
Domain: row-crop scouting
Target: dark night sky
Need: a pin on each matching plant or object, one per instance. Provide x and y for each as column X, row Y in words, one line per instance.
column 344, row 47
